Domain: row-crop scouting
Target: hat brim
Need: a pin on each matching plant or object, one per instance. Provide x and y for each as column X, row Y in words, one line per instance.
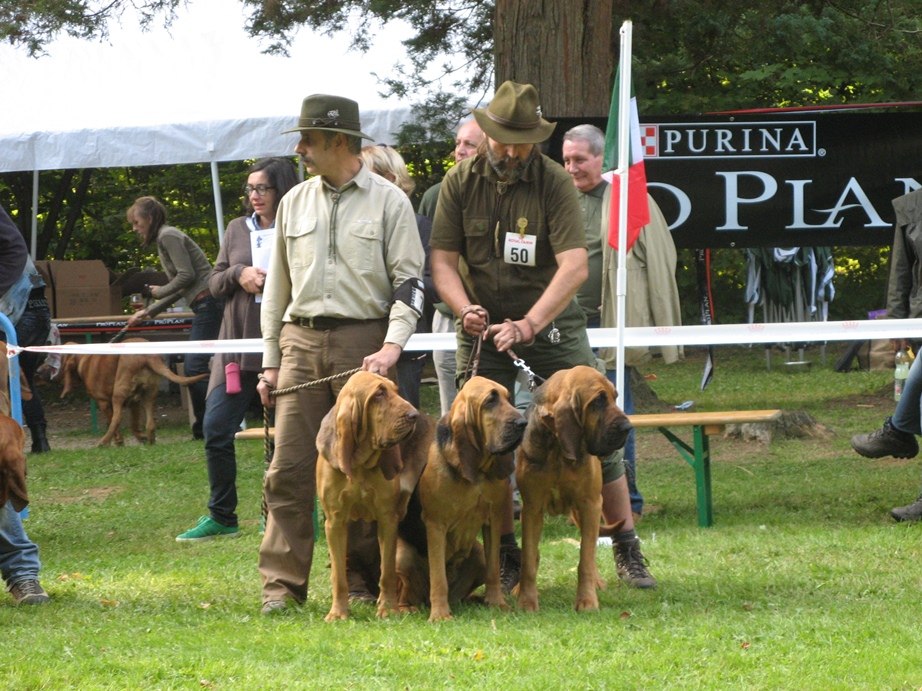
column 513, row 135
column 329, row 129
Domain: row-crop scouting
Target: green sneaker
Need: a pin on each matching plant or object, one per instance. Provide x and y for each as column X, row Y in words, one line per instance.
column 208, row 529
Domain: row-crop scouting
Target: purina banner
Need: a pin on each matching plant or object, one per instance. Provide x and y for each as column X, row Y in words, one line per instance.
column 780, row 180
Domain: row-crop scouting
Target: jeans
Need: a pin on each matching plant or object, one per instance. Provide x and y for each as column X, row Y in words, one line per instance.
column 32, row 330
column 908, row 414
column 223, row 416
column 630, row 456
column 206, row 324
column 18, row 554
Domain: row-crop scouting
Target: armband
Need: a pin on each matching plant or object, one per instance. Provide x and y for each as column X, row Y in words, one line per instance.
column 412, row 294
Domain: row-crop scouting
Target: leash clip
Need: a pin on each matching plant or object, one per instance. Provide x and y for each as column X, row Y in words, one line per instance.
column 520, row 363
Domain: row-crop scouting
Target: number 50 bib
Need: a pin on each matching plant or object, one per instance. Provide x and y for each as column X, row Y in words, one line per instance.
column 520, row 249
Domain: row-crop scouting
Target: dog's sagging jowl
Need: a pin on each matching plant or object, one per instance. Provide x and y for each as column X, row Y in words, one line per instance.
column 573, row 422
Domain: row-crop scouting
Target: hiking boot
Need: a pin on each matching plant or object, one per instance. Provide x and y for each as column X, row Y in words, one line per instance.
column 631, row 564
column 208, row 529
column 886, row 441
column 913, row 512
column 274, row 607
column 510, row 566
column 29, row 592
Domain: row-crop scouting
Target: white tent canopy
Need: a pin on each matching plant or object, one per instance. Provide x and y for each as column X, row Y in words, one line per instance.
column 199, row 92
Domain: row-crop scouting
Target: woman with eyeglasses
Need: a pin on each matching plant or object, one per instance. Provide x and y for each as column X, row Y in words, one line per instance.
column 187, row 269
column 238, row 278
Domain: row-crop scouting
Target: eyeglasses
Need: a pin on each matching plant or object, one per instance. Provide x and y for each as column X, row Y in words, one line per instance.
column 259, row 189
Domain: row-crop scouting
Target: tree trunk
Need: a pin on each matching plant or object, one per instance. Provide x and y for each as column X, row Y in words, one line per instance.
column 563, row 47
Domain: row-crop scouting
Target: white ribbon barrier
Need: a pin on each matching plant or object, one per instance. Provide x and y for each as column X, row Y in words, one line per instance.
column 717, row 334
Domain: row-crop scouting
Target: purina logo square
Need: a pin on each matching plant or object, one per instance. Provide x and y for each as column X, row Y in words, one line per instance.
column 649, row 141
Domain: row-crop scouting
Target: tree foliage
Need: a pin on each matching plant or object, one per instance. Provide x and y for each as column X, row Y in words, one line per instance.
column 707, row 55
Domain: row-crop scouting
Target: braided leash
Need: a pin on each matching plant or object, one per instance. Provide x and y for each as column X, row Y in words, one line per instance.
column 267, row 441
column 473, row 362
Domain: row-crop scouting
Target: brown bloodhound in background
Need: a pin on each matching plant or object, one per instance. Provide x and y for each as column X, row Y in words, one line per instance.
column 116, row 381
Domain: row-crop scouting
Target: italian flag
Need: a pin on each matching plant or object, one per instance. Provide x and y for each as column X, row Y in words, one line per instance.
column 638, row 210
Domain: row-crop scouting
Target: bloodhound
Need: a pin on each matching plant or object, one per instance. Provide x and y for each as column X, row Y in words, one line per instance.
column 12, row 464
column 460, row 494
column 372, row 448
column 572, row 423
column 116, row 381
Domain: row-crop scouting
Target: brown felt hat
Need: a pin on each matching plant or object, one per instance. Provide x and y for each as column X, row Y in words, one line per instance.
column 334, row 113
column 514, row 116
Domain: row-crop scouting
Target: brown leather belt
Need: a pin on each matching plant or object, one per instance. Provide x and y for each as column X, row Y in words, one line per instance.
column 327, row 323
column 204, row 294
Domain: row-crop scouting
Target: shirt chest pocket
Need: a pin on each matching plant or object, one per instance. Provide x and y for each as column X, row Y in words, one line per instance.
column 478, row 240
column 301, row 238
column 363, row 243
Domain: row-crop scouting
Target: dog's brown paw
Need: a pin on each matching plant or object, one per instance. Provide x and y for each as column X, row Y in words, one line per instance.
column 440, row 615
column 336, row 615
column 499, row 603
column 587, row 604
column 528, row 604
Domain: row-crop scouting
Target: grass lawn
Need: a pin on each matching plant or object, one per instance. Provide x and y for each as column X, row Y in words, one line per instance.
column 804, row 581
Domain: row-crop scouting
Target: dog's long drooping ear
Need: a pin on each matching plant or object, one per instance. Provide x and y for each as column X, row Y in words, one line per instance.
column 566, row 422
column 348, row 413
column 465, row 430
column 12, row 465
column 69, row 371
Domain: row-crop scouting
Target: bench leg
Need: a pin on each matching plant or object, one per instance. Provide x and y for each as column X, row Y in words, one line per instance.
column 699, row 458
column 703, row 477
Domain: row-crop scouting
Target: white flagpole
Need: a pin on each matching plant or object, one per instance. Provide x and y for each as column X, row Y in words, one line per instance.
column 624, row 144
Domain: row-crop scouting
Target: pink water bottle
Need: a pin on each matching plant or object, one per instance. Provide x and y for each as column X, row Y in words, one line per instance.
column 232, row 376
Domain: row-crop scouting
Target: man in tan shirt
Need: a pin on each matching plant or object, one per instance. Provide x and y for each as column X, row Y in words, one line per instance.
column 335, row 299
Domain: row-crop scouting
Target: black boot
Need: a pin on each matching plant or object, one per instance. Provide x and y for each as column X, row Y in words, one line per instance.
column 39, row 440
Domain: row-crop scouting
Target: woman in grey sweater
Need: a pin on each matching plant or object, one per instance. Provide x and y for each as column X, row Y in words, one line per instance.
column 188, row 271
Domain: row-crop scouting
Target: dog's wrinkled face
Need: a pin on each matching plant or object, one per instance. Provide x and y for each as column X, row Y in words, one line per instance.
column 369, row 416
column 371, row 411
column 483, row 427
column 580, row 407
column 491, row 413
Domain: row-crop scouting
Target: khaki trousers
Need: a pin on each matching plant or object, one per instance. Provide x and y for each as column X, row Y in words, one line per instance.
column 286, row 552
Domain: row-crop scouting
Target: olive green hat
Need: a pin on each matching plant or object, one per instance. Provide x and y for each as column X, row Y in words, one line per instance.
column 514, row 116
column 333, row 113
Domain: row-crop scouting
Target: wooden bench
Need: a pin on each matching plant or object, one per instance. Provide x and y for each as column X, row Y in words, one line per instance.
column 698, row 454
column 257, row 433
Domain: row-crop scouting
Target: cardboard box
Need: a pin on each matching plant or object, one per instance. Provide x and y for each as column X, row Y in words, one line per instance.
column 44, row 268
column 82, row 289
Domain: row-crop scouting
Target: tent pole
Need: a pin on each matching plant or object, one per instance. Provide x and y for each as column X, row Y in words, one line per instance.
column 218, row 207
column 34, row 244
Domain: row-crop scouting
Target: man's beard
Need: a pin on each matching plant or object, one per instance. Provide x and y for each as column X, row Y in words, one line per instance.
column 510, row 169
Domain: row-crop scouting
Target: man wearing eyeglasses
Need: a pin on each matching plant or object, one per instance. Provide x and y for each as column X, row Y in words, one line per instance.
column 339, row 295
